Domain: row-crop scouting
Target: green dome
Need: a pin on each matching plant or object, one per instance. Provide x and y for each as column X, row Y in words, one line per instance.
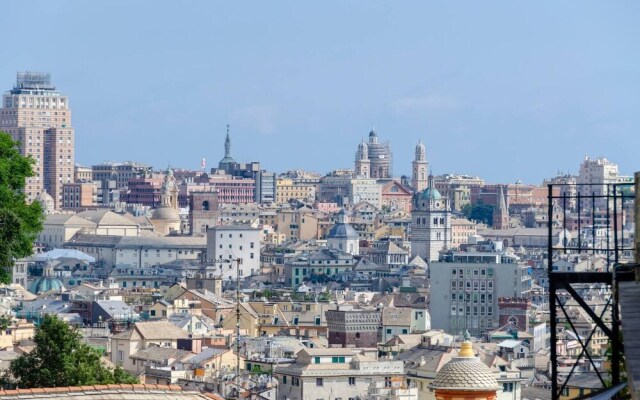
column 45, row 284
column 431, row 194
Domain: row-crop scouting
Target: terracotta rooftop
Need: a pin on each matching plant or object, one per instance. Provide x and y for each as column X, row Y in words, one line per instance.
column 109, row 392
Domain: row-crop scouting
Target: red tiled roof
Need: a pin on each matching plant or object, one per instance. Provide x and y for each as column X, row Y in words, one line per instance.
column 107, row 392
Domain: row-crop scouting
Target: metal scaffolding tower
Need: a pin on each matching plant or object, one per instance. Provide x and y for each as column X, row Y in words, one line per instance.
column 600, row 232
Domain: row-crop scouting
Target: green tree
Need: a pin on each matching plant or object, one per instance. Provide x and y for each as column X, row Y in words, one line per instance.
column 479, row 211
column 20, row 223
column 61, row 359
column 5, row 322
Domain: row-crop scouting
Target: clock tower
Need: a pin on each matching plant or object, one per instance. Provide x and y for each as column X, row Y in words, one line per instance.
column 430, row 223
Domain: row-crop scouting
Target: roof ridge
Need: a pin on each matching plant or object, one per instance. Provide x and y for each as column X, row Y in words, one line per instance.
column 70, row 389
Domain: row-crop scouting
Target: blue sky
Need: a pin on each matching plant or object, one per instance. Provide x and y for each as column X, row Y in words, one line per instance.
column 506, row 90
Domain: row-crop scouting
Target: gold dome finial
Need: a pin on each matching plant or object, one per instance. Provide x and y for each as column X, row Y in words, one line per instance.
column 466, row 350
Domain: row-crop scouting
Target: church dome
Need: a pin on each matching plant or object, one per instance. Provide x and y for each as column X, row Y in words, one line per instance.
column 343, row 231
column 466, row 373
column 165, row 213
column 431, row 194
column 45, row 284
column 46, row 202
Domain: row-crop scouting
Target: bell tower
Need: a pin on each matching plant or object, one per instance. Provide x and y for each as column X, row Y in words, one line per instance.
column 420, row 166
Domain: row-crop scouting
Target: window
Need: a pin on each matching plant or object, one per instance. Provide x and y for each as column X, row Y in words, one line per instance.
column 388, row 331
column 284, row 379
column 352, row 381
column 316, row 360
column 508, row 387
column 319, row 382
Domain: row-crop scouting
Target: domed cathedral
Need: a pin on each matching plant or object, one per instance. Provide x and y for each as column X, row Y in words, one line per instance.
column 430, row 223
column 420, row 168
column 374, row 157
column 46, row 202
column 48, row 281
column 465, row 377
column 343, row 237
column 166, row 218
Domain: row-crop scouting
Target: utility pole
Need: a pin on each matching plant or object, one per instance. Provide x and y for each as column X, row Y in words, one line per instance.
column 238, row 261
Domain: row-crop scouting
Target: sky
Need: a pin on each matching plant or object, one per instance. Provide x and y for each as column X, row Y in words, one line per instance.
column 506, row 90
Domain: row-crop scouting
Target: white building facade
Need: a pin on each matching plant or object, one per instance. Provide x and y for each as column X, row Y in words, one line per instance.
column 228, row 243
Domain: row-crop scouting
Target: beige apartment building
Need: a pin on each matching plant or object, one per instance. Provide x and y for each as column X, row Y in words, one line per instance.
column 298, row 224
column 286, row 190
column 38, row 116
column 461, row 230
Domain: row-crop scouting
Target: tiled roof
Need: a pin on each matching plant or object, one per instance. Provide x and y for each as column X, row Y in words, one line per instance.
column 159, row 330
column 158, row 354
column 108, row 392
column 69, row 220
column 465, row 373
column 105, row 217
column 134, row 242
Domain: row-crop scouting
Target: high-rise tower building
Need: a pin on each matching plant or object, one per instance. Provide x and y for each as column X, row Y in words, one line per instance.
column 38, row 116
column 420, row 166
column 595, row 177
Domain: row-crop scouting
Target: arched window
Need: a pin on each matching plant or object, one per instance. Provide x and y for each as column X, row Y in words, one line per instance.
column 205, row 205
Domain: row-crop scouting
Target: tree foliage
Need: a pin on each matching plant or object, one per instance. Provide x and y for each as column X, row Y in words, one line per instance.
column 20, row 223
column 479, row 211
column 61, row 359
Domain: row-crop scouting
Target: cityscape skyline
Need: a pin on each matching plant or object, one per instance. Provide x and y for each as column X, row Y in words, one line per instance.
column 173, row 100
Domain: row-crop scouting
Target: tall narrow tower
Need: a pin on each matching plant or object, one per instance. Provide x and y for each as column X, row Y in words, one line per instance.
column 430, row 223
column 501, row 212
column 420, row 166
column 38, row 116
column 225, row 163
column 363, row 164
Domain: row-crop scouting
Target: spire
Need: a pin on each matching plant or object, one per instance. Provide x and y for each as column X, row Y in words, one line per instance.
column 502, row 205
column 227, row 145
